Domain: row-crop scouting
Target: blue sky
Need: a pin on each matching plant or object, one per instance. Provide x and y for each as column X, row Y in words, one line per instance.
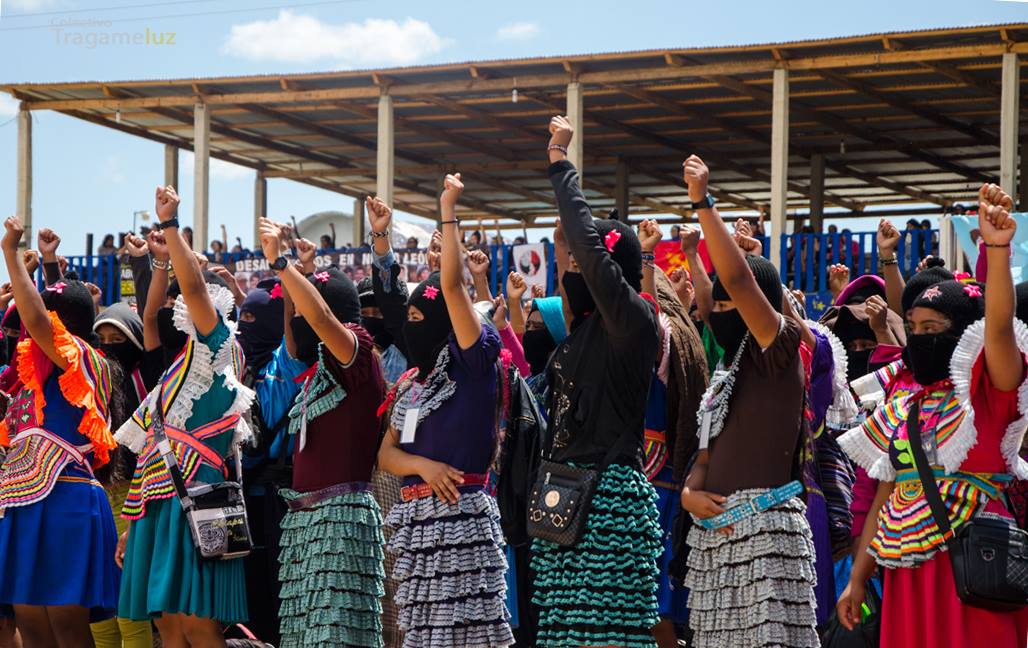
column 89, row 178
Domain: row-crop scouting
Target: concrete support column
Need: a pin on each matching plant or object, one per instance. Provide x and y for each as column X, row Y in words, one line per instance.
column 621, row 187
column 260, row 205
column 575, row 114
column 171, row 166
column 201, row 174
column 817, row 191
column 386, row 148
column 23, row 204
column 1022, row 198
column 1008, row 121
column 779, row 161
column 359, row 231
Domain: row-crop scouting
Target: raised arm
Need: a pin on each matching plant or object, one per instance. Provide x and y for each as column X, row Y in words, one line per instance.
column 1002, row 357
column 309, row 303
column 31, row 309
column 702, row 286
column 157, row 293
column 649, row 236
column 615, row 300
column 47, row 241
column 478, row 265
column 466, row 325
column 760, row 317
column 516, row 287
column 888, row 238
column 187, row 269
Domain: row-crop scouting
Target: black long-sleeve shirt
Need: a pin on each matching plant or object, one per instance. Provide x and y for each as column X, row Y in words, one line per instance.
column 600, row 375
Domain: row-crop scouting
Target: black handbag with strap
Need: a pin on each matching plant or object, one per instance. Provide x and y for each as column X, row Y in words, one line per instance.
column 989, row 553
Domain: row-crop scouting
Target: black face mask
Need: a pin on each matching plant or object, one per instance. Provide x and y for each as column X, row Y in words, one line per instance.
column 858, row 363
column 539, row 345
column 124, row 353
column 580, row 300
column 172, row 339
column 729, row 329
column 306, row 341
column 424, row 342
column 375, row 326
column 929, row 355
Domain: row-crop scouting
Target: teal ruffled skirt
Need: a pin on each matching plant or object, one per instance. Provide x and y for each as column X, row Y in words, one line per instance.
column 165, row 574
column 331, row 573
column 602, row 591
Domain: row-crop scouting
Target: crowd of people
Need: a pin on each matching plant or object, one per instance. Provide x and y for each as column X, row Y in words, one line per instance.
column 642, row 460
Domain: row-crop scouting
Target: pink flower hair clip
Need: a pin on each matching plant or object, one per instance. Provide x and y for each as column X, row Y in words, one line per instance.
column 611, row 239
column 962, row 276
column 322, row 276
column 276, row 292
column 431, row 292
column 973, row 291
column 58, row 287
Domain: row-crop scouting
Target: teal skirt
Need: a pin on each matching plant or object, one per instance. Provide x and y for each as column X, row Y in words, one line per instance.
column 164, row 573
column 603, row 591
column 331, row 573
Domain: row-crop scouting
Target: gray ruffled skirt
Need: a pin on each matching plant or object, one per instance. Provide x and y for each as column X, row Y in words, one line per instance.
column 755, row 586
column 450, row 572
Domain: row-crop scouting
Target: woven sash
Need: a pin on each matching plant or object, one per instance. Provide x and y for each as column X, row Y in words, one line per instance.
column 32, row 467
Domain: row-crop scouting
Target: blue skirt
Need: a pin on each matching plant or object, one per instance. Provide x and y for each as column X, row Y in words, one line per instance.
column 60, row 551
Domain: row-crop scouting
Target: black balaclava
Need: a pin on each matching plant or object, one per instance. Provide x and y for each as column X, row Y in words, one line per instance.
column 929, row 354
column 263, row 335
column 340, row 294
column 852, row 324
column 172, row 339
column 375, row 326
column 11, row 320
column 919, row 282
column 538, row 345
column 425, row 339
column 623, row 246
column 73, row 303
column 126, row 320
column 728, row 326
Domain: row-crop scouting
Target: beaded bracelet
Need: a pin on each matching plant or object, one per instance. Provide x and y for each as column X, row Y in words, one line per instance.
column 557, row 147
column 888, row 262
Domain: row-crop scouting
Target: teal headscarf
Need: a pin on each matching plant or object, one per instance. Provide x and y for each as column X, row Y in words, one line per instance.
column 552, row 311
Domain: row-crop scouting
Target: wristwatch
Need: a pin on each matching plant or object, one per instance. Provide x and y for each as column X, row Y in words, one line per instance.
column 707, row 202
column 279, row 264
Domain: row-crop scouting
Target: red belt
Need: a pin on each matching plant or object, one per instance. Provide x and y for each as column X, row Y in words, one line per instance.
column 423, row 490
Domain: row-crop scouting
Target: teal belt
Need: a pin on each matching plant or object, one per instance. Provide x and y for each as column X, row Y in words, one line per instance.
column 985, row 482
column 754, row 505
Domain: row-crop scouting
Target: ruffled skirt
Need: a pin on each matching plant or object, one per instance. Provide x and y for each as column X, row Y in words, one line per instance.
column 755, row 586
column 450, row 572
column 602, row 591
column 331, row 573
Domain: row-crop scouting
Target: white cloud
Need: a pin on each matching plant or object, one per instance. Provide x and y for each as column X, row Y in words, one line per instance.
column 296, row 38
column 518, row 31
column 220, row 169
column 8, row 105
column 25, row 6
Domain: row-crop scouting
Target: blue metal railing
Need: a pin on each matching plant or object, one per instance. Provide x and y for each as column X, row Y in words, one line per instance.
column 805, row 260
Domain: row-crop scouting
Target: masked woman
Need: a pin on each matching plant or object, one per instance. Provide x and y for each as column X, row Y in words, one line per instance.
column 331, row 559
column 602, row 590
column 202, row 400
column 442, row 438
column 971, row 374
column 58, row 431
column 750, row 576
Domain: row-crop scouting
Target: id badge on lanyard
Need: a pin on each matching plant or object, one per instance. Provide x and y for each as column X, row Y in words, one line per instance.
column 410, row 421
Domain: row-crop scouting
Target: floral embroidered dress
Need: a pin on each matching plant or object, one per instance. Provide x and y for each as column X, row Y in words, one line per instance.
column 203, row 401
column 57, row 432
column 972, row 433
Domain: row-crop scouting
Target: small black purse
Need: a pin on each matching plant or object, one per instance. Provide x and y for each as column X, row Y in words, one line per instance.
column 989, row 554
column 562, row 496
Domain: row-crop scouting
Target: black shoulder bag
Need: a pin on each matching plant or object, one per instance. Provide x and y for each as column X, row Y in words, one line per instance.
column 562, row 498
column 216, row 512
column 989, row 554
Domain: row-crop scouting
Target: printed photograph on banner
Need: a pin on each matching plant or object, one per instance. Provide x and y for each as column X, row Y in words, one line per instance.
column 530, row 260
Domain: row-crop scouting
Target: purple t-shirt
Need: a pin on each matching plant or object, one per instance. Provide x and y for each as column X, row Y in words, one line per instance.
column 462, row 431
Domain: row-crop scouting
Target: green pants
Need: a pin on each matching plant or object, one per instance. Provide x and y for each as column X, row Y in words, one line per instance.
column 122, row 633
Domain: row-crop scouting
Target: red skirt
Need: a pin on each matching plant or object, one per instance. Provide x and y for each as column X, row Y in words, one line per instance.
column 921, row 608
